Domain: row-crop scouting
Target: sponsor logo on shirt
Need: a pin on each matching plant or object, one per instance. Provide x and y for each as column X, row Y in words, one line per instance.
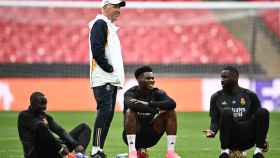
column 238, row 112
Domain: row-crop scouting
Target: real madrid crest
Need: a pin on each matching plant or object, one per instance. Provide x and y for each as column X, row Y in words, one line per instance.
column 242, row 101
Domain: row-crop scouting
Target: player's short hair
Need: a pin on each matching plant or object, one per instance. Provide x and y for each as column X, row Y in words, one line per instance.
column 37, row 97
column 232, row 70
column 142, row 70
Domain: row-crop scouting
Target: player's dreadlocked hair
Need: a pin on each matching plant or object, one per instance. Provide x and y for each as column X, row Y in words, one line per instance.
column 142, row 70
column 232, row 69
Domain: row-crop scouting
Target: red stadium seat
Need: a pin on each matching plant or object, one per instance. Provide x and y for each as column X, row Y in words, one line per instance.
column 40, row 35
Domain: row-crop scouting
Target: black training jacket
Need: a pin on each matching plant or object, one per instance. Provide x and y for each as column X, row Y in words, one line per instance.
column 243, row 103
column 28, row 121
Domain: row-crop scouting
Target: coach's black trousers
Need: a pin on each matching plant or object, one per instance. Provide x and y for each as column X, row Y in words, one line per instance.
column 47, row 146
column 105, row 97
column 244, row 135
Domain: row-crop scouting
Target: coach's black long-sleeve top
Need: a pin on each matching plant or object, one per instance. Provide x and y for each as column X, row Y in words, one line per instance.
column 28, row 122
column 98, row 41
column 157, row 99
column 243, row 103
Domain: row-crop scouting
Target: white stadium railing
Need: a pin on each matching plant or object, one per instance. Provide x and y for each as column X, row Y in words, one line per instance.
column 144, row 5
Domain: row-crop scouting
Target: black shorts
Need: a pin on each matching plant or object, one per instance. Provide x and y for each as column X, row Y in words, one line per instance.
column 243, row 136
column 146, row 136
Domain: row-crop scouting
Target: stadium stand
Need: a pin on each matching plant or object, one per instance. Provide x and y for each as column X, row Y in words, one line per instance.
column 272, row 21
column 40, row 35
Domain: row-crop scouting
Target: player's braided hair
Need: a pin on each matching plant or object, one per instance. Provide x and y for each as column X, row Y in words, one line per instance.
column 142, row 70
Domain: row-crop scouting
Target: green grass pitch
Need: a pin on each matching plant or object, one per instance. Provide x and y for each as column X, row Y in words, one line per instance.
column 191, row 142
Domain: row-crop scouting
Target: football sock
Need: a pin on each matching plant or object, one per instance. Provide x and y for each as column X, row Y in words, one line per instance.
column 95, row 149
column 258, row 150
column 225, row 151
column 171, row 139
column 131, row 142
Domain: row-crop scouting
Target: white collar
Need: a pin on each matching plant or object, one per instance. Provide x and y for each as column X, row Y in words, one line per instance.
column 108, row 21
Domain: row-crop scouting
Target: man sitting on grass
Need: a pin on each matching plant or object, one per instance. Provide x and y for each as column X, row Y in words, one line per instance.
column 36, row 128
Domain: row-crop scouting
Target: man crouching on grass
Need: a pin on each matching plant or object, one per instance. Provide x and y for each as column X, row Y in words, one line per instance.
column 238, row 114
column 148, row 114
column 35, row 128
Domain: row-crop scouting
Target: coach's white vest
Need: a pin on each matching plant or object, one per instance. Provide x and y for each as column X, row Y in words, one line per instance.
column 113, row 53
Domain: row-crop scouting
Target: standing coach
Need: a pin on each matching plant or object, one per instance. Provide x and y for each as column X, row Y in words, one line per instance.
column 106, row 70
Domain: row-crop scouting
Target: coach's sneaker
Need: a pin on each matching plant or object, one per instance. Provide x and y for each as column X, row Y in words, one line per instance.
column 258, row 155
column 172, row 154
column 132, row 154
column 142, row 153
column 224, row 155
column 99, row 154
